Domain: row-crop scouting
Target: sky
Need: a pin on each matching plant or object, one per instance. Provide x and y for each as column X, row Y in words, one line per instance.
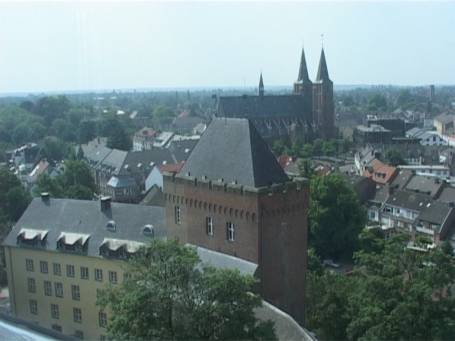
column 61, row 46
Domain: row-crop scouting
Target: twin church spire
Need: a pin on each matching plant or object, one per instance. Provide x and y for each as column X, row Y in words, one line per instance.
column 303, row 78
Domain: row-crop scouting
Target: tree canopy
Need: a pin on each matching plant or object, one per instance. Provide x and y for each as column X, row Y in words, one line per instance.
column 393, row 293
column 167, row 294
column 76, row 182
column 335, row 216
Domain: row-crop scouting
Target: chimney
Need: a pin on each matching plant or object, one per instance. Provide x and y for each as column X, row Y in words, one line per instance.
column 45, row 196
column 105, row 203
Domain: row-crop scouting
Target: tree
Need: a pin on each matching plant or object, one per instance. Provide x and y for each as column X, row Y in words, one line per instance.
column 87, row 131
column 54, row 149
column 167, row 295
column 393, row 293
column 52, row 107
column 336, row 217
column 117, row 137
column 13, row 197
column 402, row 294
column 377, row 103
column 394, row 157
column 76, row 182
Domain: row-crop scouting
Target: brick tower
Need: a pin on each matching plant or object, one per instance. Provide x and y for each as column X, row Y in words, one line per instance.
column 233, row 197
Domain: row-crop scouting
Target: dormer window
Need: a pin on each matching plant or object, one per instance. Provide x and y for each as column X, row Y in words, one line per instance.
column 32, row 237
column 73, row 242
column 148, row 230
column 111, row 226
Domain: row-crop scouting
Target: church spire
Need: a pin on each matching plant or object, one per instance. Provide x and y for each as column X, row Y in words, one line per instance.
column 261, row 86
column 303, row 70
column 323, row 73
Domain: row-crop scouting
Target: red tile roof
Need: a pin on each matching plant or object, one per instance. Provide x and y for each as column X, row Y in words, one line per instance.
column 380, row 172
column 172, row 167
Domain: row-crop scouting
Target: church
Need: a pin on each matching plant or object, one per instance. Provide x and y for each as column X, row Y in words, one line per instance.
column 307, row 113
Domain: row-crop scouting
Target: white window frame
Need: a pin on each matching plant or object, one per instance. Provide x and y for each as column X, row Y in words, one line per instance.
column 47, row 288
column 31, row 285
column 57, row 269
column 70, row 271
column 44, row 267
column 113, row 277
column 84, row 272
column 77, row 315
column 230, row 231
column 33, row 306
column 209, row 226
column 58, row 288
column 75, row 292
column 102, row 319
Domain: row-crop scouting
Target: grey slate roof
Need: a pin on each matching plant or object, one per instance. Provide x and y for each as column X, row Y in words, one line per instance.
column 233, row 150
column 410, row 200
column 435, row 212
column 262, row 106
column 426, row 185
column 144, row 158
column 447, row 195
column 86, row 217
column 402, row 179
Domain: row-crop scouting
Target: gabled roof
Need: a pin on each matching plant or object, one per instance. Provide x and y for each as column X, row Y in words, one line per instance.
column 84, row 219
column 409, row 200
column 447, row 195
column 380, row 172
column 232, row 150
column 426, row 185
column 435, row 212
column 402, row 179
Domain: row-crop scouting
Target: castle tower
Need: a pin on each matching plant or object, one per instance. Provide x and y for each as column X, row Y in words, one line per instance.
column 323, row 106
column 261, row 86
column 233, row 197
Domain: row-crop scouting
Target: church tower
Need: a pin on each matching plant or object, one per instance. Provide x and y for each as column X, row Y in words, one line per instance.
column 323, row 106
column 261, row 86
column 304, row 87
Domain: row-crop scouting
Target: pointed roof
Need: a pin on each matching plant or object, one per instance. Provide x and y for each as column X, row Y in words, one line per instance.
column 323, row 73
column 303, row 70
column 232, row 149
column 261, row 82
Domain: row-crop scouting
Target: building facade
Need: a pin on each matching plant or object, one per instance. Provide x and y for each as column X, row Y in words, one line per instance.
column 307, row 113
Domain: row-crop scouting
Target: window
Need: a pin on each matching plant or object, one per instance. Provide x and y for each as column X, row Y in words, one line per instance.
column 47, row 288
column 103, row 337
column 230, row 231
column 31, row 284
column 177, row 215
column 43, row 267
column 70, row 270
column 113, row 277
column 33, row 307
column 57, row 269
column 84, row 272
column 102, row 316
column 29, row 265
column 77, row 315
column 99, row 275
column 79, row 334
column 57, row 328
column 54, row 311
column 76, row 292
column 58, row 289
column 209, row 225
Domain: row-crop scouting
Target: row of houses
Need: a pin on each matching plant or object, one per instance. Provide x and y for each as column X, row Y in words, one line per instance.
column 127, row 176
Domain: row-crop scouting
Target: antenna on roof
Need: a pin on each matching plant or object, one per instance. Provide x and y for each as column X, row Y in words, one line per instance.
column 322, row 40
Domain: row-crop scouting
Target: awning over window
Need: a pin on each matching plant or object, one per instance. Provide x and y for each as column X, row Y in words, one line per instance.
column 30, row 234
column 72, row 238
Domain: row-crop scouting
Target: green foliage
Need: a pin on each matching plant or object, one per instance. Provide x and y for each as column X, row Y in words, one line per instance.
column 377, row 102
column 167, row 296
column 87, row 131
column 394, row 293
column 54, row 149
column 305, row 169
column 117, row 137
column 394, row 157
column 52, row 107
column 76, row 182
column 162, row 115
column 336, row 217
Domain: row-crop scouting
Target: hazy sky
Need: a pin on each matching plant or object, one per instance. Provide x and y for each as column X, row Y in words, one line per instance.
column 75, row 46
